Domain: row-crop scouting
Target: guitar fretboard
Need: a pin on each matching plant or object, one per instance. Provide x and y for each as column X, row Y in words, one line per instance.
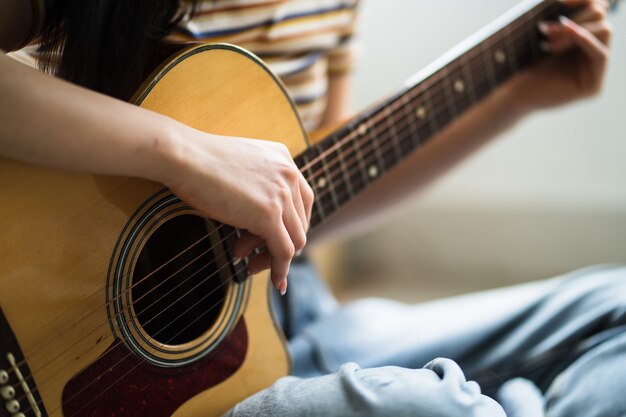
column 360, row 152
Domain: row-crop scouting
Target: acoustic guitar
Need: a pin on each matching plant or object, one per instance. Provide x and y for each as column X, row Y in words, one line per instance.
column 118, row 299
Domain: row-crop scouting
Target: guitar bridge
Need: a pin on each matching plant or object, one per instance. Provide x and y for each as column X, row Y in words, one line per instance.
column 18, row 395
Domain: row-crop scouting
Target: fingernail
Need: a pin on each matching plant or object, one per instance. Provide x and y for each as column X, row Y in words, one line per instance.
column 564, row 20
column 568, row 24
column 544, row 46
column 283, row 287
column 298, row 253
column 236, row 260
column 543, row 28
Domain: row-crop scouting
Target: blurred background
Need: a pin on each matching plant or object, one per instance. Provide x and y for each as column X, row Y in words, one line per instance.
column 545, row 198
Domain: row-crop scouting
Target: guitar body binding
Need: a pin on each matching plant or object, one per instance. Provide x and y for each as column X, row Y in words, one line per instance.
column 76, row 249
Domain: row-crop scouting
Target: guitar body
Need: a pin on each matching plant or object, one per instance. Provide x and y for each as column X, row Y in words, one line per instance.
column 85, row 312
column 117, row 299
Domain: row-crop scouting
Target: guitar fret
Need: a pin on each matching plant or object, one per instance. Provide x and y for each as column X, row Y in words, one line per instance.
column 374, row 169
column 320, row 180
column 490, row 56
column 460, row 88
column 344, row 170
column 482, row 79
column 465, row 68
column 404, row 140
column 410, row 117
column 502, row 58
column 394, row 136
column 360, row 152
column 511, row 50
column 431, row 120
column 361, row 161
column 523, row 54
column 445, row 82
column 533, row 37
column 329, row 188
column 313, row 182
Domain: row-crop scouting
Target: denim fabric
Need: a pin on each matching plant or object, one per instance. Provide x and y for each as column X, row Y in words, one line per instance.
column 438, row 390
column 553, row 347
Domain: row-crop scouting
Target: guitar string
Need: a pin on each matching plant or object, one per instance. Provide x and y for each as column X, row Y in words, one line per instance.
column 127, row 372
column 321, row 156
column 340, row 174
column 402, row 129
column 304, row 168
column 123, row 311
column 355, row 147
column 106, row 305
column 472, row 54
column 479, row 78
column 205, row 265
column 130, row 354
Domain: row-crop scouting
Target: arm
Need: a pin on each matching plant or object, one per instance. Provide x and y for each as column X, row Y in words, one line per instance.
column 50, row 122
column 575, row 71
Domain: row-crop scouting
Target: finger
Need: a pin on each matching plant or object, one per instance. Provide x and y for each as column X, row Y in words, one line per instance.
column 588, row 43
column 601, row 30
column 281, row 251
column 246, row 244
column 298, row 203
column 259, row 262
column 296, row 226
column 553, row 31
column 558, row 46
column 307, row 199
column 558, row 39
column 577, row 4
column 592, row 13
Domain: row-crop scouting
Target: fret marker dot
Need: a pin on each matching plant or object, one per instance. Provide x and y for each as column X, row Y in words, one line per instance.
column 321, row 183
column 373, row 171
column 420, row 113
column 500, row 57
column 459, row 86
column 362, row 129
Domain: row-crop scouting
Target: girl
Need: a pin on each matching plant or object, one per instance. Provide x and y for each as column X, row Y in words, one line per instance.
column 101, row 50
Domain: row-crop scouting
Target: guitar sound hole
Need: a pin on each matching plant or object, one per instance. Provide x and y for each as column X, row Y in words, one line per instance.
column 176, row 290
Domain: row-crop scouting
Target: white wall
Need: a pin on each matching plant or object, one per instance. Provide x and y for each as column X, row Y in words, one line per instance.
column 547, row 197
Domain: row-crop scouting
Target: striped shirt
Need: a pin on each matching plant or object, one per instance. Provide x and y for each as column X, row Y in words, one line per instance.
column 302, row 41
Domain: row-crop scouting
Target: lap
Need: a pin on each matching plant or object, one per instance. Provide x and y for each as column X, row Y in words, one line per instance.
column 538, row 331
column 437, row 390
column 502, row 333
column 592, row 385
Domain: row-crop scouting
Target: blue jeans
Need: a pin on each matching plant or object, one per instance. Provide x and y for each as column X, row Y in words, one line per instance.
column 549, row 348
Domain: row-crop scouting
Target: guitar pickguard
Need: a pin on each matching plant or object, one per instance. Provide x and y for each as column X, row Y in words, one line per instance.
column 120, row 384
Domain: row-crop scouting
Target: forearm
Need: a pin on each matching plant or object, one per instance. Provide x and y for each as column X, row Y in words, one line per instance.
column 494, row 115
column 339, row 94
column 49, row 122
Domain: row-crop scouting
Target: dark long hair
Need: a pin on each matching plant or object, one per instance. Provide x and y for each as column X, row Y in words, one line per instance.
column 108, row 45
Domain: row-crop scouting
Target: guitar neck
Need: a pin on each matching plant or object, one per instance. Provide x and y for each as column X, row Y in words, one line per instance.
column 360, row 152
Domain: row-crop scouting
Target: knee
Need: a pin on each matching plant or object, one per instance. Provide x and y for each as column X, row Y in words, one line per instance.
column 593, row 385
column 597, row 279
column 600, row 286
column 438, row 390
